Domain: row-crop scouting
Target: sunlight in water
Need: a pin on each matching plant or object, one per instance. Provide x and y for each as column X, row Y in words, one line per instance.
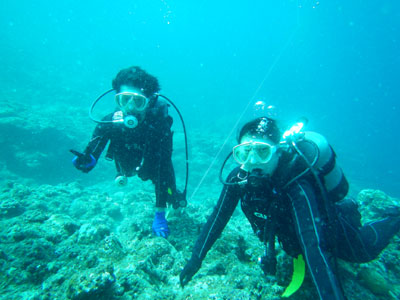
column 308, row 3
column 167, row 14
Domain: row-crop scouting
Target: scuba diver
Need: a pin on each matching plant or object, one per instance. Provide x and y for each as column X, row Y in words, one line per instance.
column 140, row 140
column 291, row 188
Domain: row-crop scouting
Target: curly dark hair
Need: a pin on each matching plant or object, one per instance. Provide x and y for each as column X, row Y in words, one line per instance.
column 263, row 127
column 138, row 78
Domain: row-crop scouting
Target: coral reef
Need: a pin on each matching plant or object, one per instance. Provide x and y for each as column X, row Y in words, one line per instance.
column 76, row 240
column 62, row 242
column 35, row 140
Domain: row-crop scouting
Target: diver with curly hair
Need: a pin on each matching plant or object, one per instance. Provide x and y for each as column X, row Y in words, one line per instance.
column 291, row 188
column 140, row 140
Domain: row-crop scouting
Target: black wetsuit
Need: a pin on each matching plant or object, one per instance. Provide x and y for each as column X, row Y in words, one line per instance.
column 292, row 209
column 144, row 150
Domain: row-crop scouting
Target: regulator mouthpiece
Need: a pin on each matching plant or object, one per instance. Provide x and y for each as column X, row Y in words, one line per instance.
column 131, row 121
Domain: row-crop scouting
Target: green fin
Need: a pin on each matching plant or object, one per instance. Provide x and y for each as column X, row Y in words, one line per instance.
column 299, row 271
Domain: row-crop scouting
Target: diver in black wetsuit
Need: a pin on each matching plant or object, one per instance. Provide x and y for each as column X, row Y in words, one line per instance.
column 291, row 188
column 140, row 137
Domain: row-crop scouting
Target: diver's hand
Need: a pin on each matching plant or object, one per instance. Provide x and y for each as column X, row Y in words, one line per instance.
column 160, row 225
column 83, row 162
column 189, row 270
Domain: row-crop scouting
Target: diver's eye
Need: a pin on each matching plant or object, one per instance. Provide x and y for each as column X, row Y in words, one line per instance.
column 264, row 151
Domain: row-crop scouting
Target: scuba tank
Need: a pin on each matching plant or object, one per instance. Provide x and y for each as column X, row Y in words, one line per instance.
column 319, row 159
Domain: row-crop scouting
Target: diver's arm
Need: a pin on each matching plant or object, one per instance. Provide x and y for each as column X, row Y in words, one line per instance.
column 165, row 184
column 87, row 160
column 100, row 137
column 217, row 221
column 211, row 231
column 308, row 225
column 159, row 152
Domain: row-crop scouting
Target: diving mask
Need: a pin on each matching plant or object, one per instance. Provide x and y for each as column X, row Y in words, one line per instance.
column 131, row 101
column 253, row 152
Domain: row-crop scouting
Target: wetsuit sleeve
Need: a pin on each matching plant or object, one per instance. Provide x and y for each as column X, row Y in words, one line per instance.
column 100, row 137
column 166, row 183
column 217, row 221
column 309, row 229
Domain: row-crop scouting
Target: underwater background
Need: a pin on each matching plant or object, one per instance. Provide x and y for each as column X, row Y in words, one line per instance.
column 335, row 62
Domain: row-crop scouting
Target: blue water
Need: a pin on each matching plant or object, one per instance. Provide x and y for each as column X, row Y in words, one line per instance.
column 336, row 62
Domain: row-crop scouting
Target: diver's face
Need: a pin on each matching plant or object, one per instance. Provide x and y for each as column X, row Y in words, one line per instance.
column 254, row 152
column 132, row 100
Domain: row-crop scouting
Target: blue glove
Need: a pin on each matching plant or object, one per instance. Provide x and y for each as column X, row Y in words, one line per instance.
column 83, row 162
column 160, row 225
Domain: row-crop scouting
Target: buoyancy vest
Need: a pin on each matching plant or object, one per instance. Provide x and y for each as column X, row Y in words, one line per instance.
column 156, row 116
